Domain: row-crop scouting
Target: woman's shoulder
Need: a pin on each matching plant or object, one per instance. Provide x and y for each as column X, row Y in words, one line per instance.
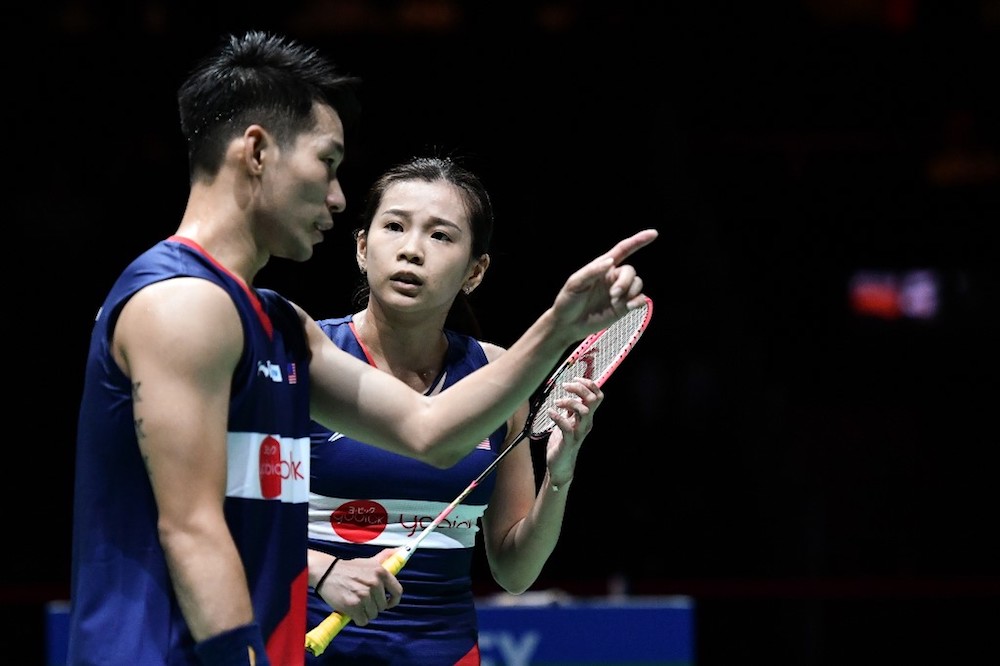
column 493, row 351
column 460, row 344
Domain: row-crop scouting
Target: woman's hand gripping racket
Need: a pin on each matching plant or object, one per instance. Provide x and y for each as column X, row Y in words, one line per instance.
column 597, row 357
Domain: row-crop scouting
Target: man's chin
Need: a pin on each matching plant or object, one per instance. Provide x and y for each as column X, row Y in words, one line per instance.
column 298, row 255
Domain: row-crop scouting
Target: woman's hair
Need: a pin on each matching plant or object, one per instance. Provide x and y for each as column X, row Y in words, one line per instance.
column 477, row 206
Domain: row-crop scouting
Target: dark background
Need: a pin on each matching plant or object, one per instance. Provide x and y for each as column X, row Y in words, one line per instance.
column 820, row 481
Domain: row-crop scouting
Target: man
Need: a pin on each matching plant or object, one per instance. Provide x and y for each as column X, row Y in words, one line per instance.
column 190, row 507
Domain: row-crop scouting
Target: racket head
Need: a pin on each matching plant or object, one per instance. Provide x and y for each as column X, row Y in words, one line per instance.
column 597, row 357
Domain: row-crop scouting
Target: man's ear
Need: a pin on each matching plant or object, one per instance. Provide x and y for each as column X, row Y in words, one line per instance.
column 256, row 145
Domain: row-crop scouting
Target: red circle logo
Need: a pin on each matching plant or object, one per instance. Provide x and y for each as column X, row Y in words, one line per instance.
column 359, row 521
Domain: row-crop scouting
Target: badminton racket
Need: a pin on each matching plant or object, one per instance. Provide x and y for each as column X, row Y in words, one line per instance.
column 597, row 357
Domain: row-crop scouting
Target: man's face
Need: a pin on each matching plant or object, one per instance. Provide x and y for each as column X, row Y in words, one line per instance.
column 299, row 187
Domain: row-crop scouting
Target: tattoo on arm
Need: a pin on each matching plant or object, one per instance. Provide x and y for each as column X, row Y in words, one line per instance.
column 137, row 422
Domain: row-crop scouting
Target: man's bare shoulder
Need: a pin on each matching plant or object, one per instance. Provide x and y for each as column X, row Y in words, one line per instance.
column 179, row 316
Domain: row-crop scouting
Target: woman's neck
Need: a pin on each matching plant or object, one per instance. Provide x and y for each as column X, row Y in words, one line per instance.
column 413, row 352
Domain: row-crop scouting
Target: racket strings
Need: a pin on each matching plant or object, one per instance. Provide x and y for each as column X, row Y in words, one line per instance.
column 596, row 362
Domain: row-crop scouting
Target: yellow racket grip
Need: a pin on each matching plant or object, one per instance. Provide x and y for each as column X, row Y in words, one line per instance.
column 395, row 562
column 319, row 637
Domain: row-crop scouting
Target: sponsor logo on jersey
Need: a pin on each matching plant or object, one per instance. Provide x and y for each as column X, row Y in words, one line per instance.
column 270, row 370
column 362, row 521
column 270, row 468
column 359, row 521
column 264, row 466
column 273, row 469
column 418, row 523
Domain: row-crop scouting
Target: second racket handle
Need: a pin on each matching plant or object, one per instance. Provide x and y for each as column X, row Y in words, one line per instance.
column 319, row 637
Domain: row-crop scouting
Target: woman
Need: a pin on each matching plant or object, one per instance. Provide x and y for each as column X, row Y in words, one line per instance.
column 422, row 250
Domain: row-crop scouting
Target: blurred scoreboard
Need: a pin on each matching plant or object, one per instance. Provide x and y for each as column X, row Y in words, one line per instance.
column 653, row 631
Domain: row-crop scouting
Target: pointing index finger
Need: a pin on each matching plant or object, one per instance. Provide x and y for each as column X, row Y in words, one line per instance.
column 625, row 248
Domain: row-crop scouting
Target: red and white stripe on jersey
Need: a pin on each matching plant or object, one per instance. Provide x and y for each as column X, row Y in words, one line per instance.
column 262, row 466
column 392, row 522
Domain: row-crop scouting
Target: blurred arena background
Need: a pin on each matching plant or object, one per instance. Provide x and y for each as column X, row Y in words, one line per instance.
column 803, row 441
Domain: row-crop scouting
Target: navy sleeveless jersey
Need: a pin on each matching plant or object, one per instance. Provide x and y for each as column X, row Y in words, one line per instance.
column 363, row 499
column 123, row 609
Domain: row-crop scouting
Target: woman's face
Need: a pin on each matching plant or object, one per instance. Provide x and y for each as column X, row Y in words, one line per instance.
column 417, row 251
